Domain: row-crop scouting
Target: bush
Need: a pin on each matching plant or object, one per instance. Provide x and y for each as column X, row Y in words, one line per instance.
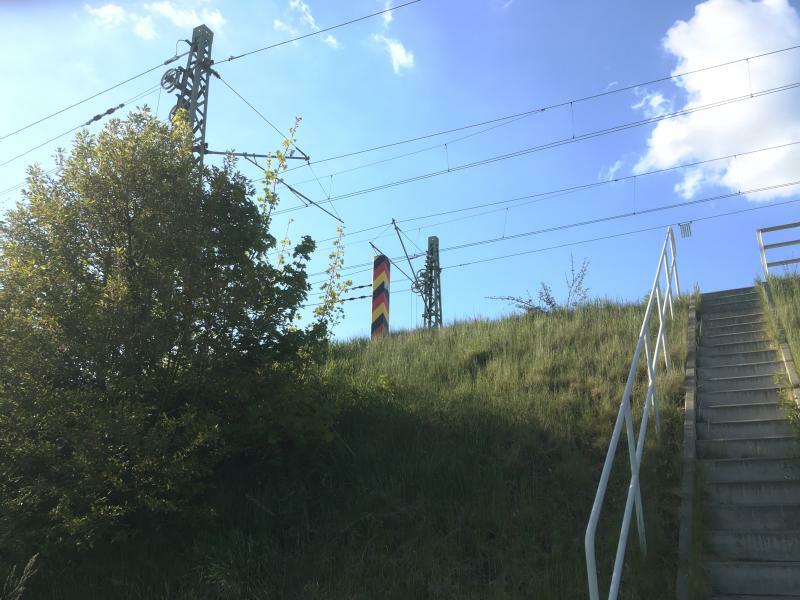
column 145, row 335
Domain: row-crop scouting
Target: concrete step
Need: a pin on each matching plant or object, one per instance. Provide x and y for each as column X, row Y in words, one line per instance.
column 720, row 360
column 723, row 339
column 758, row 597
column 753, row 493
column 741, row 412
column 721, row 349
column 737, row 470
column 732, row 292
column 768, row 517
column 767, row 367
column 771, row 393
column 710, row 302
column 770, row 447
column 755, row 545
column 712, row 321
column 754, row 578
column 711, row 328
column 732, row 308
column 743, row 430
column 737, row 382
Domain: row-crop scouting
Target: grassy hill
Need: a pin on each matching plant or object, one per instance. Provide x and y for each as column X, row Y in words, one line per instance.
column 466, row 465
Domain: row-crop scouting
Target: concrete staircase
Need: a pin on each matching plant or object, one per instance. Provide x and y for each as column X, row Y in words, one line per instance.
column 748, row 454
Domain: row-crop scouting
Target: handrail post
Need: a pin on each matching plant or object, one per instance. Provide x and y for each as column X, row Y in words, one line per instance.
column 674, row 262
column 634, row 468
column 661, row 326
column 652, row 373
column 668, row 277
column 763, row 256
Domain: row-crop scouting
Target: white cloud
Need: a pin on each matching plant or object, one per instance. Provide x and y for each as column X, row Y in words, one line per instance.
column 186, row 17
column 608, row 173
column 279, row 25
column 143, row 27
column 331, row 41
column 300, row 17
column 401, row 58
column 111, row 16
column 652, row 104
column 305, row 13
column 108, row 15
column 388, row 17
column 722, row 31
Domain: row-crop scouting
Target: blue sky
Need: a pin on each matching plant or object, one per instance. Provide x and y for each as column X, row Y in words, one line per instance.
column 442, row 64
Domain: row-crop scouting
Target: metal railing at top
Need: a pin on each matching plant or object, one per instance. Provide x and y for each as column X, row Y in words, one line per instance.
column 764, row 247
column 660, row 302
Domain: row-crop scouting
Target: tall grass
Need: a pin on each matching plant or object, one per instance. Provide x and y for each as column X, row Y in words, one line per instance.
column 466, row 467
column 785, row 294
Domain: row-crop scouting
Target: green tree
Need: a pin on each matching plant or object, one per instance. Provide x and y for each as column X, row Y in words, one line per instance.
column 145, row 334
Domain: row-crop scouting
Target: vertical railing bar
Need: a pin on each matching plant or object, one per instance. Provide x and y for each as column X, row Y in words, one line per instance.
column 674, row 262
column 616, row 576
column 591, row 528
column 632, row 458
column 669, row 286
column 763, row 257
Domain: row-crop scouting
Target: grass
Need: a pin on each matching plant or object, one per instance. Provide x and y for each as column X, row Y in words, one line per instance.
column 785, row 296
column 466, row 468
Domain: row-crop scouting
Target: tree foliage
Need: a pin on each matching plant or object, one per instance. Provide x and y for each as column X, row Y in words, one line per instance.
column 146, row 335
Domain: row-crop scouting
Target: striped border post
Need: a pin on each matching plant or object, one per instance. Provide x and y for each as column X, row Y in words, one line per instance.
column 380, row 295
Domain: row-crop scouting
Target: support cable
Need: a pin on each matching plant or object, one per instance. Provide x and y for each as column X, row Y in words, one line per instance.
column 95, row 118
column 93, row 96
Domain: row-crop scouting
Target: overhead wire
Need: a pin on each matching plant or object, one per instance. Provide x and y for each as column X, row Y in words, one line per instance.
column 559, row 192
column 93, row 96
column 561, row 104
column 93, row 119
column 597, row 220
column 318, row 32
column 617, row 235
column 554, row 144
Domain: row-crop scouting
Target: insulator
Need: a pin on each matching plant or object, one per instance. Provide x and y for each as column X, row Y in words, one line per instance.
column 170, row 79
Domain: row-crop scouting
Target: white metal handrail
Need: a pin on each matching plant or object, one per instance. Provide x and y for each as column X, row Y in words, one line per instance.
column 764, row 247
column 661, row 301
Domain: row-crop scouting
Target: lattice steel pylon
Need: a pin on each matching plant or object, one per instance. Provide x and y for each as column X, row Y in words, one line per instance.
column 431, row 284
column 191, row 83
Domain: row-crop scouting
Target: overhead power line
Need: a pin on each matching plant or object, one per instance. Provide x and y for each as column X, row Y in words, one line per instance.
column 599, row 220
column 615, row 235
column 554, row 144
column 93, row 96
column 317, row 32
column 95, row 118
column 552, row 106
column 621, row 234
column 558, row 192
column 594, row 239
